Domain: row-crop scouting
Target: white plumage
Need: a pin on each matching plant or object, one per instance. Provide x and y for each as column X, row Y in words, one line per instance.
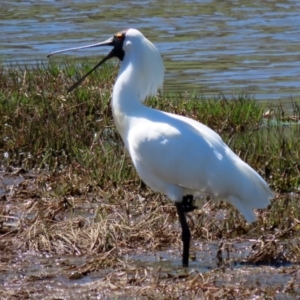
column 175, row 155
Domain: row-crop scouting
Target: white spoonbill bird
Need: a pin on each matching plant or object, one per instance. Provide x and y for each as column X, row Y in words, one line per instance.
column 173, row 154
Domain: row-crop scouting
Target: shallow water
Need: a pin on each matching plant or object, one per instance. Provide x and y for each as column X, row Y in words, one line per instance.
column 56, row 273
column 8, row 182
column 208, row 45
column 86, row 276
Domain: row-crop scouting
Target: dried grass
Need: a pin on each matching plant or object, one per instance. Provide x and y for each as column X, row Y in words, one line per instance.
column 79, row 197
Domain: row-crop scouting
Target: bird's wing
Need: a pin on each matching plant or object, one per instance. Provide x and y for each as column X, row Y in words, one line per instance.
column 177, row 151
column 182, row 152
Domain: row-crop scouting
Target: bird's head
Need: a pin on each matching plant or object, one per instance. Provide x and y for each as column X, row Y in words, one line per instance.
column 134, row 50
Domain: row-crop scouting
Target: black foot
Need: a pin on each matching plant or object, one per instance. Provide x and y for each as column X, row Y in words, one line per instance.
column 187, row 203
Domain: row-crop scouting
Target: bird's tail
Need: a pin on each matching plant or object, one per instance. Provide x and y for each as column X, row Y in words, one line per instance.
column 253, row 192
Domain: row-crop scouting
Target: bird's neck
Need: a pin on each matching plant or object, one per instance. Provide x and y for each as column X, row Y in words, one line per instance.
column 126, row 105
column 140, row 75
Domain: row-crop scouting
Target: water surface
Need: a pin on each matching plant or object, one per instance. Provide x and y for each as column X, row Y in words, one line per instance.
column 208, row 45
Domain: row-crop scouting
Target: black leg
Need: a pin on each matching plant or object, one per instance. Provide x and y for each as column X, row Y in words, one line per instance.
column 186, row 235
column 187, row 203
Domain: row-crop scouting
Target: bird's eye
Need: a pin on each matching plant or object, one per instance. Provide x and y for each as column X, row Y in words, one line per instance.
column 120, row 36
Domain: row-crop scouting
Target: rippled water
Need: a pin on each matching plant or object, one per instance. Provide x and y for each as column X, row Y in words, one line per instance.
column 209, row 45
